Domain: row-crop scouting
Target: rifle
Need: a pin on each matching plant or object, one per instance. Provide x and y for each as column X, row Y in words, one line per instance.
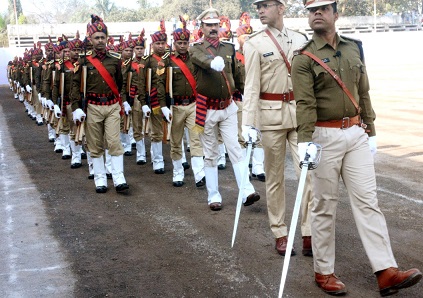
column 129, row 99
column 148, row 101
column 169, row 100
column 61, row 93
column 53, row 77
column 30, row 80
column 80, row 132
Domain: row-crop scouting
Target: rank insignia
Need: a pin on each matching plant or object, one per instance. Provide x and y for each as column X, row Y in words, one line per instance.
column 160, row 71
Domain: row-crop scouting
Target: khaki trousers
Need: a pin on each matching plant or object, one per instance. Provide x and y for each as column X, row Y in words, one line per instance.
column 103, row 129
column 184, row 116
column 274, row 146
column 346, row 153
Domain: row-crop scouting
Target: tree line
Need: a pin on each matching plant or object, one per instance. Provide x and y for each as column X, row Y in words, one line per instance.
column 78, row 11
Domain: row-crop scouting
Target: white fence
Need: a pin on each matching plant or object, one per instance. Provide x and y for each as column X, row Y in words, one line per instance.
column 27, row 35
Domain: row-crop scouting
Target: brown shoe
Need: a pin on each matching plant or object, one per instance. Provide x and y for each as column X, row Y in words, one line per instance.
column 307, row 249
column 391, row 280
column 280, row 246
column 252, row 198
column 330, row 284
column 215, row 206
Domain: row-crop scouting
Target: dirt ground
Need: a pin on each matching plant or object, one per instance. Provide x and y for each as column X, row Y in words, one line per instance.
column 162, row 241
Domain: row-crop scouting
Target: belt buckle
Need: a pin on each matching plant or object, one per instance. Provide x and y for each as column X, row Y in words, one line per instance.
column 103, row 99
column 185, row 102
column 347, row 119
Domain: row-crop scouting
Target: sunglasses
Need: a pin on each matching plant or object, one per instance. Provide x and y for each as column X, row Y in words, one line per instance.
column 265, row 5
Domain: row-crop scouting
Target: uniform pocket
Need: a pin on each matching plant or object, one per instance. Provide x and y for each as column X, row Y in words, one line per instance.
column 270, row 112
column 356, row 67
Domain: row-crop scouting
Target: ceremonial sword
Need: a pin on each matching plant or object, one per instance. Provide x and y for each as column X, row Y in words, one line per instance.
column 305, row 165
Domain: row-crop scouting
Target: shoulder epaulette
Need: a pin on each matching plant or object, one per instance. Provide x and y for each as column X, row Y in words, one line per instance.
column 197, row 43
column 303, row 47
column 228, row 42
column 352, row 39
column 145, row 57
column 253, row 35
column 127, row 61
column 297, row 31
column 61, row 61
column 89, row 53
column 359, row 43
column 114, row 54
column 166, row 55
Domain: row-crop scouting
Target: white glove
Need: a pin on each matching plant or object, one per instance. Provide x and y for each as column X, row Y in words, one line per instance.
column 307, row 147
column 57, row 111
column 146, row 110
column 17, row 84
column 249, row 132
column 50, row 104
column 373, row 145
column 218, row 64
column 28, row 89
column 166, row 113
column 127, row 107
column 78, row 115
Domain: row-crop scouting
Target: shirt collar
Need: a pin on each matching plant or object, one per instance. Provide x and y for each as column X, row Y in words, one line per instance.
column 321, row 43
column 276, row 32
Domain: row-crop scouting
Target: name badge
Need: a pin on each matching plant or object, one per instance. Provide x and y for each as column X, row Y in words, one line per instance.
column 268, row 54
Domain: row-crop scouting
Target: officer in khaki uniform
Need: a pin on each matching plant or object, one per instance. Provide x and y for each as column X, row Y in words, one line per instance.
column 242, row 32
column 103, row 106
column 268, row 97
column 214, row 69
column 329, row 116
column 182, row 83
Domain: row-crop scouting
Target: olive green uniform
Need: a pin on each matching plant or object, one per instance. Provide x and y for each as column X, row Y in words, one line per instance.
column 345, row 152
column 221, row 113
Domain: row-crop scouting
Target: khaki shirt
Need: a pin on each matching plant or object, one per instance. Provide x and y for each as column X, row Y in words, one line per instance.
column 211, row 83
column 95, row 82
column 319, row 97
column 266, row 72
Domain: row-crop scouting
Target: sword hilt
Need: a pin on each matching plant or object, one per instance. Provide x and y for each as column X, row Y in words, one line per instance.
column 311, row 165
